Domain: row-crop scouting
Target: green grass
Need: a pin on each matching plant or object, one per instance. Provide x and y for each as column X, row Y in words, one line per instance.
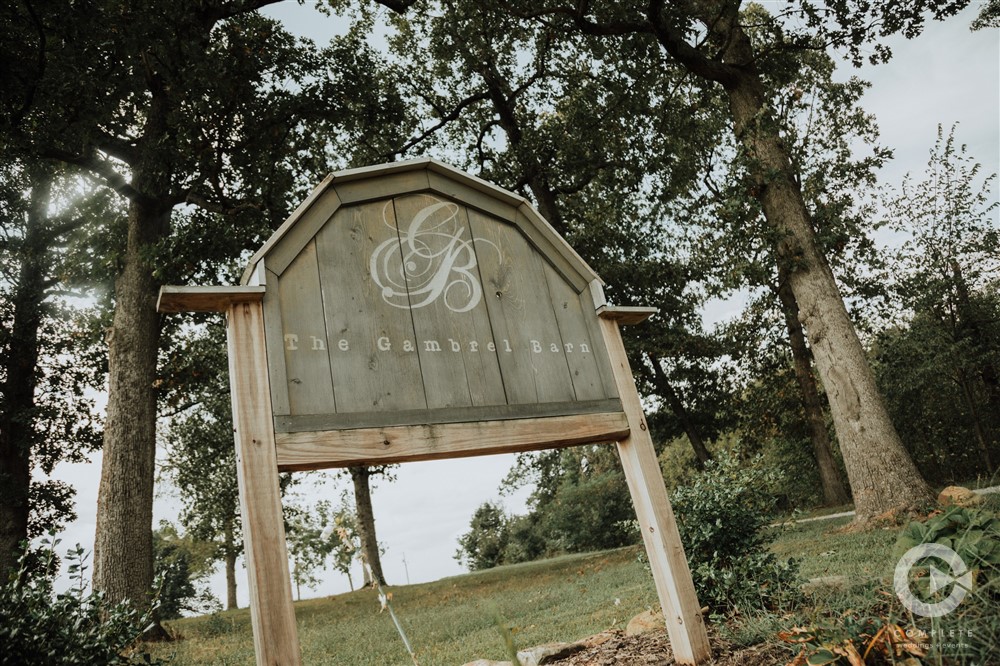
column 454, row 620
column 450, row 621
column 825, row 550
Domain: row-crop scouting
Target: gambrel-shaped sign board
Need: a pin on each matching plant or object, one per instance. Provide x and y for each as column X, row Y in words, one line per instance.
column 410, row 311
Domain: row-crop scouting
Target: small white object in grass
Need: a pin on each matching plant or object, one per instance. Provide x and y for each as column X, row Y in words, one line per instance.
column 618, row 602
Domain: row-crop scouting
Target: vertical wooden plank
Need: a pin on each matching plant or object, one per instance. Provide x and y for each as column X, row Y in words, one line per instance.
column 685, row 624
column 447, row 303
column 371, row 341
column 587, row 301
column 275, row 346
column 580, row 350
column 271, row 612
column 304, row 340
column 522, row 319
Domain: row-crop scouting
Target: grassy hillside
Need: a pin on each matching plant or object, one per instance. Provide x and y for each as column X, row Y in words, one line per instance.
column 455, row 620
column 449, row 621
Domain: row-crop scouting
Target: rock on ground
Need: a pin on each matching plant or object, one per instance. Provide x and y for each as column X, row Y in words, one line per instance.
column 958, row 496
column 645, row 622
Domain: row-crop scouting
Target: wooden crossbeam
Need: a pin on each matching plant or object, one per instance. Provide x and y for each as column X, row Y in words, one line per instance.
column 297, row 451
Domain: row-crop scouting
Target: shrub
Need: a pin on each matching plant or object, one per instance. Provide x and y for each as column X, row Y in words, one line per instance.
column 592, row 513
column 482, row 547
column 40, row 628
column 723, row 517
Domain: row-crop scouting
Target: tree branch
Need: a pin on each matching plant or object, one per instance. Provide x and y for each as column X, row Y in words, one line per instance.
column 204, row 203
column 445, row 119
column 100, row 168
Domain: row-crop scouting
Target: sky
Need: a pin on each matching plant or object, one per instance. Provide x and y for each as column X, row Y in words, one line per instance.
column 946, row 75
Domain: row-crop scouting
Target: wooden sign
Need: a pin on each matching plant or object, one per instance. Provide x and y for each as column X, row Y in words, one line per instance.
column 409, row 312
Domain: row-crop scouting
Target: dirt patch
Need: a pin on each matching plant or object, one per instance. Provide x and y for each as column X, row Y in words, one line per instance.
column 653, row 649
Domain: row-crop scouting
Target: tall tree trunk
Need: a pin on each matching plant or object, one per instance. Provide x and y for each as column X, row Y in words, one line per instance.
column 834, row 492
column 18, row 392
column 983, row 439
column 366, row 521
column 667, row 391
column 123, row 545
column 882, row 475
column 230, row 558
column 883, row 478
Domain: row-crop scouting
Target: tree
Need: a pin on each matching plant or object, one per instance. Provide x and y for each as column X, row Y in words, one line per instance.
column 181, row 564
column 201, row 458
column 822, row 124
column 506, row 94
column 483, row 546
column 944, row 279
column 361, row 481
column 44, row 417
column 343, row 530
column 308, row 544
column 580, row 503
column 169, row 104
column 710, row 40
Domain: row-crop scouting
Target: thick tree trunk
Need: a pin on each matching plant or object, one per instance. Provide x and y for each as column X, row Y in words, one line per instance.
column 230, row 559
column 667, row 391
column 18, row 394
column 366, row 522
column 123, row 556
column 834, row 492
column 882, row 475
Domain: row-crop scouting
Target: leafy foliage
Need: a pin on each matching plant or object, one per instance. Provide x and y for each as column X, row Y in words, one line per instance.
column 483, row 546
column 723, row 517
column 181, row 564
column 938, row 360
column 40, row 628
column 972, row 533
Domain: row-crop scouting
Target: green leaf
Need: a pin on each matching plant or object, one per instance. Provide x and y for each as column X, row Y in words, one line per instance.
column 820, row 657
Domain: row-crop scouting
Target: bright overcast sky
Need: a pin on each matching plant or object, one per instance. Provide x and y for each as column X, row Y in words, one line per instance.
column 947, row 75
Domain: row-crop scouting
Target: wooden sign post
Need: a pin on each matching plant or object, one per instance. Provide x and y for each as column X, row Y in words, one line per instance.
column 410, row 311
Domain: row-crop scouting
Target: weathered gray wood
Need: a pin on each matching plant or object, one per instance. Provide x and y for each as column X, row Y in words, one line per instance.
column 357, row 317
column 381, row 446
column 275, row 345
column 308, row 376
column 285, row 227
column 484, row 201
column 301, row 234
column 571, row 320
column 317, row 422
column 593, row 324
column 552, row 246
column 447, row 303
column 205, row 299
column 625, row 315
column 359, row 191
column 513, row 281
column 271, row 613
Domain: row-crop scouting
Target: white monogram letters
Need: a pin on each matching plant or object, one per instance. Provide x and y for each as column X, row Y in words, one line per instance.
column 432, row 255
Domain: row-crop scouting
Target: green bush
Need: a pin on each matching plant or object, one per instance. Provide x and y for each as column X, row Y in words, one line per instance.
column 723, row 516
column 482, row 547
column 592, row 513
column 41, row 628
